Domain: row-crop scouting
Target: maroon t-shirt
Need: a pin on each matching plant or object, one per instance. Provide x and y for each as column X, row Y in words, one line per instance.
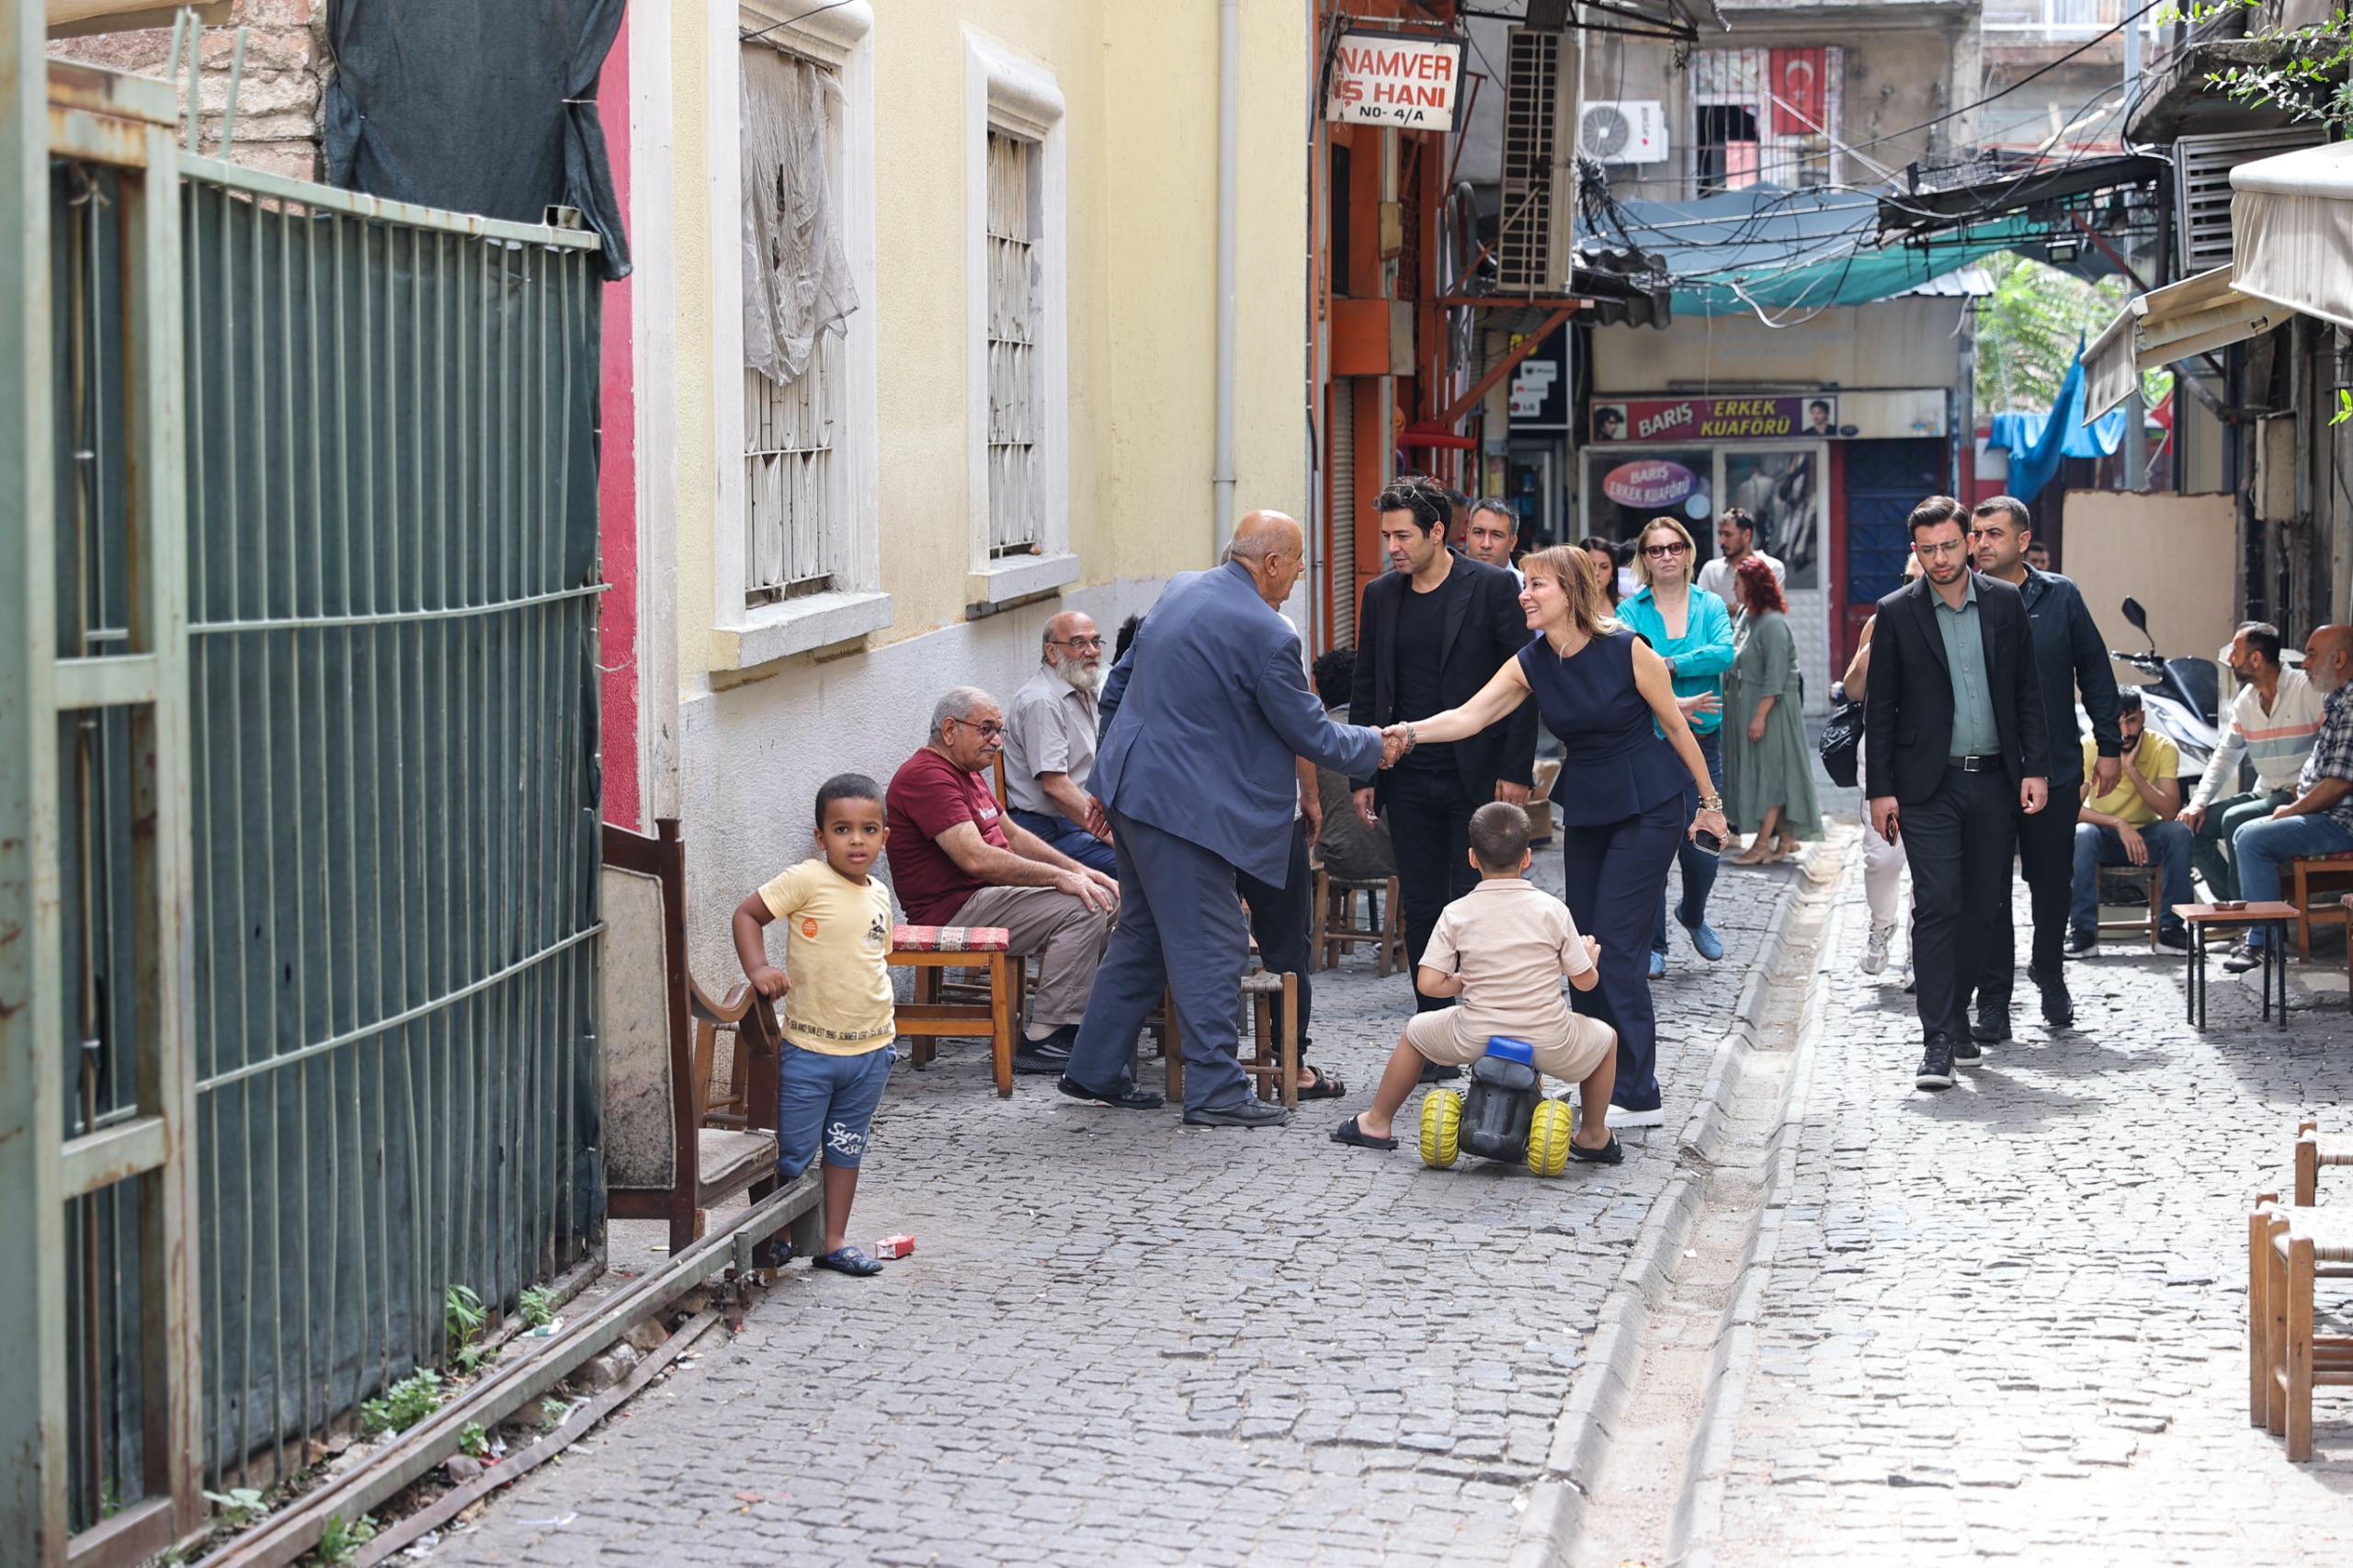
column 929, row 795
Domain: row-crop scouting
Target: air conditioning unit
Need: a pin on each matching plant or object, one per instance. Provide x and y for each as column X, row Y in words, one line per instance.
column 1534, row 229
column 1623, row 131
column 2202, row 167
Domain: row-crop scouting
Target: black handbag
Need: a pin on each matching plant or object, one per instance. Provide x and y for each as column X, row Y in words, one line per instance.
column 1841, row 737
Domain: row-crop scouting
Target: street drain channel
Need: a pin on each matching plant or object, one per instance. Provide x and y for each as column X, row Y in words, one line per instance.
column 1638, row 1504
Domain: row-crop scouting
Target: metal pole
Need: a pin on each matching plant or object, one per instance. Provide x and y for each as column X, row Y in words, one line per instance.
column 2136, row 422
column 1229, row 135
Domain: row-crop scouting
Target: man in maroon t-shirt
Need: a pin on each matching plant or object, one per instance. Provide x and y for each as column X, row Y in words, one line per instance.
column 956, row 859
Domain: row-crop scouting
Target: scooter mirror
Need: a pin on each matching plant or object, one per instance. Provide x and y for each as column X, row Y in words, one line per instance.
column 2138, row 617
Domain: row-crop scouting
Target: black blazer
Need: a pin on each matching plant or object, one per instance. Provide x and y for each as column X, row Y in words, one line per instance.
column 1486, row 628
column 1907, row 702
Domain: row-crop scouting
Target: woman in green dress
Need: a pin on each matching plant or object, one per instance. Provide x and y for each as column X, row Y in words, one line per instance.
column 1769, row 769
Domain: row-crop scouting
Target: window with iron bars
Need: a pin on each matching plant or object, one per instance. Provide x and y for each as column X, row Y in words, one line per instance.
column 789, row 434
column 1016, row 303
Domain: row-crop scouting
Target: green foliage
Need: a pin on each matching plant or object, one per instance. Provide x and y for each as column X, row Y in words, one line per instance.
column 240, row 1506
column 2027, row 330
column 464, row 1312
column 539, row 1305
column 403, row 1404
column 2308, row 77
column 473, row 1440
column 340, row 1542
column 2344, row 406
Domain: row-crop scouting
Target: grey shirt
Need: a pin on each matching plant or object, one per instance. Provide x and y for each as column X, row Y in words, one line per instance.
column 1049, row 728
column 1973, row 731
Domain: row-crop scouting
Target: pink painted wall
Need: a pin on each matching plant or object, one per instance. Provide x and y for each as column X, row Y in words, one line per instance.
column 616, row 488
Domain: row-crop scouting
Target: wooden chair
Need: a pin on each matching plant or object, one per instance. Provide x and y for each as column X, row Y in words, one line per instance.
column 2296, row 1247
column 1335, row 929
column 664, row 1158
column 1272, row 1062
column 927, row 949
column 2151, row 879
column 2314, row 1151
column 2315, row 874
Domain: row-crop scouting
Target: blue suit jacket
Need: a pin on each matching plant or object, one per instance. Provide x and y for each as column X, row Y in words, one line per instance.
column 1204, row 716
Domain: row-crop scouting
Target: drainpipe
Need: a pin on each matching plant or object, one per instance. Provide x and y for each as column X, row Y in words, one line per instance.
column 2136, row 416
column 1229, row 133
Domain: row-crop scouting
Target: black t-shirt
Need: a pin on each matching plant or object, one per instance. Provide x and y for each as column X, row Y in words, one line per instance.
column 1421, row 649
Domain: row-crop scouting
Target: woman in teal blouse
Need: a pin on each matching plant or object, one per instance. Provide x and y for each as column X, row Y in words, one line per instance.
column 1691, row 630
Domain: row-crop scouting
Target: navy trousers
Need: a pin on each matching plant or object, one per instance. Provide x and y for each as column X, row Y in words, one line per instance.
column 1180, row 927
column 1060, row 833
column 1278, row 920
column 1615, row 875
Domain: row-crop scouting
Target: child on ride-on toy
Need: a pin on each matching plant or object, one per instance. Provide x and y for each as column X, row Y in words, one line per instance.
column 1501, row 948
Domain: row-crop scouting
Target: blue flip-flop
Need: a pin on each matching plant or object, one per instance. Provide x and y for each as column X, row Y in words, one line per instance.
column 848, row 1260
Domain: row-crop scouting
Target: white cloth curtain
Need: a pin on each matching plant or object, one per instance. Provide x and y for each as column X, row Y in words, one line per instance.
column 796, row 278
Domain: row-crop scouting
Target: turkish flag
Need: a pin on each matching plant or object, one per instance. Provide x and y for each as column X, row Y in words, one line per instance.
column 1799, row 91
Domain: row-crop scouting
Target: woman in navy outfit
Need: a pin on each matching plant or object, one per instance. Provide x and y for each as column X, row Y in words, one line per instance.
column 1627, row 756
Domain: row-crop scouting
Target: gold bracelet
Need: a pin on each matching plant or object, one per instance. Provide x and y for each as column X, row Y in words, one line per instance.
column 1712, row 803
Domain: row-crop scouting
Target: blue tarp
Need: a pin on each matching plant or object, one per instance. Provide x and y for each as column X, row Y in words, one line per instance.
column 2037, row 441
column 1770, row 248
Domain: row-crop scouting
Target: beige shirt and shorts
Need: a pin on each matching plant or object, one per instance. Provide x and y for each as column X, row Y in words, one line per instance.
column 1511, row 942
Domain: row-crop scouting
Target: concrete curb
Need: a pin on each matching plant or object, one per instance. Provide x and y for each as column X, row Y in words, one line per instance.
column 1550, row 1525
column 1698, row 1519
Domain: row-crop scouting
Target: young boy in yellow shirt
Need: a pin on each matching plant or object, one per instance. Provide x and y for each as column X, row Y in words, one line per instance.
column 1503, row 948
column 838, row 1024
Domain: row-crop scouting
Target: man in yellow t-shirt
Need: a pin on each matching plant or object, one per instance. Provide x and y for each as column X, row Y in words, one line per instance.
column 839, row 1022
column 2132, row 824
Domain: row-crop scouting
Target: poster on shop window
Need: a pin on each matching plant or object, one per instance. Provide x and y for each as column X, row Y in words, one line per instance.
column 1782, row 488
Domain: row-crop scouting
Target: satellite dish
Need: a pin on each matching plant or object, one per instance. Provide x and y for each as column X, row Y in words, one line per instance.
column 1606, row 131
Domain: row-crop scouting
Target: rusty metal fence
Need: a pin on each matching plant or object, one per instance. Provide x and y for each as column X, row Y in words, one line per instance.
column 297, row 833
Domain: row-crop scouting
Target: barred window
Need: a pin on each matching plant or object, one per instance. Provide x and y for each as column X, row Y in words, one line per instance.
column 1015, row 306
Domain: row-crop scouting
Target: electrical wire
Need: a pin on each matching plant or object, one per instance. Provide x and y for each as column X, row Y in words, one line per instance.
column 773, row 26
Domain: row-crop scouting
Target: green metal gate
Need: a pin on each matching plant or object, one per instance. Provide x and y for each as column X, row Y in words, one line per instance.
column 298, row 801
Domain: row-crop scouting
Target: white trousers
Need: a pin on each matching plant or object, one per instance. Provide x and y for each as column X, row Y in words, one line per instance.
column 1882, row 865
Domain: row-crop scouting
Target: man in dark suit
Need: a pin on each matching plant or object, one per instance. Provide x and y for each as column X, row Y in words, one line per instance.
column 1431, row 632
column 1953, row 733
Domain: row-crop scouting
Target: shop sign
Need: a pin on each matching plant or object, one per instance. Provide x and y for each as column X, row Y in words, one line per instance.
column 1715, row 419
column 1649, row 483
column 1394, row 79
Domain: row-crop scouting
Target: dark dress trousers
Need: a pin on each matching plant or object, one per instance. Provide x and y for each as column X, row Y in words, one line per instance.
column 1418, row 654
column 1957, row 827
column 2068, row 655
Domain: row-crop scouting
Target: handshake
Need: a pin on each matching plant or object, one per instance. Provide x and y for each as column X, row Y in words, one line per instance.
column 1396, row 740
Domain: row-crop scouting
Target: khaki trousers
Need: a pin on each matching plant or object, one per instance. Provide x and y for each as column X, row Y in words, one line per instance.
column 1070, row 937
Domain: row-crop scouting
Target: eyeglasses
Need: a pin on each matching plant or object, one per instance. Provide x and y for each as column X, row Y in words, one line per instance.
column 1081, row 644
column 990, row 729
column 1659, row 551
column 1956, row 547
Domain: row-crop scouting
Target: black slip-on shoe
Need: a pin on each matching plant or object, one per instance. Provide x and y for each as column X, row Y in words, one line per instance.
column 1126, row 1098
column 1935, row 1065
column 1611, row 1153
column 1241, row 1113
column 1034, row 1057
column 1439, row 1072
column 1348, row 1132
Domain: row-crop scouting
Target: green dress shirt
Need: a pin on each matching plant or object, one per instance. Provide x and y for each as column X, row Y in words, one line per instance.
column 1974, row 732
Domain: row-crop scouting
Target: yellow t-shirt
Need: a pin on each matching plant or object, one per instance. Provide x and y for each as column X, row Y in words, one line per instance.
column 838, row 939
column 2155, row 756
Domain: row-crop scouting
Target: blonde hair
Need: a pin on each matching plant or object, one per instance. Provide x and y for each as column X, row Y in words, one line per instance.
column 1642, row 542
column 1573, row 569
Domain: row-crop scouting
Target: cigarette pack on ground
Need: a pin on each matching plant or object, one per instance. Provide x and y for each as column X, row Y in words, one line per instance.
column 894, row 1246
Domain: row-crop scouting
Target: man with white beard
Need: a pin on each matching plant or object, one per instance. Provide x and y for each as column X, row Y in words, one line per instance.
column 1049, row 743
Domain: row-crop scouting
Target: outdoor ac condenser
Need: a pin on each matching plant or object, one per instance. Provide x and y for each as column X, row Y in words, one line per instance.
column 1535, row 231
column 1625, row 130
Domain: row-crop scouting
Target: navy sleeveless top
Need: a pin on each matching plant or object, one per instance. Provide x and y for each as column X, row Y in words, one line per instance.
column 1614, row 763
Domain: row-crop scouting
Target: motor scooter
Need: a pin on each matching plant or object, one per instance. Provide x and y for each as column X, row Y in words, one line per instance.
column 2183, row 702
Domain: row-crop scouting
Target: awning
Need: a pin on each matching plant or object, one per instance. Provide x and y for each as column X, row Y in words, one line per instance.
column 2196, row 315
column 2291, row 228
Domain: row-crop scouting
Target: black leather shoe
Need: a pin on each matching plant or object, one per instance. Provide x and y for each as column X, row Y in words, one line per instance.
column 1241, row 1113
column 2057, row 1007
column 1936, row 1065
column 1128, row 1097
column 1993, row 1025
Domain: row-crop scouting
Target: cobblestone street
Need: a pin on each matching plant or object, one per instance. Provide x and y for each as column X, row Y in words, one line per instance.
column 2009, row 1320
column 1123, row 1340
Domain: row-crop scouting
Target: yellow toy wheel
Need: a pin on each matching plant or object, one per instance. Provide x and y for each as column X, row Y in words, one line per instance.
column 1441, row 1128
column 1548, row 1138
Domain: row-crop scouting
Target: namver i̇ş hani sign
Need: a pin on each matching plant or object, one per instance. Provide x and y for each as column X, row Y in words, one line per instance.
column 1393, row 79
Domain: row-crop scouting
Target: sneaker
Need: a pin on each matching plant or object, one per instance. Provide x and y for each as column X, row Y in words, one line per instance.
column 2058, row 1007
column 1704, row 940
column 1875, row 948
column 1968, row 1052
column 1621, row 1117
column 1992, row 1028
column 1910, row 983
column 1658, row 965
column 1935, row 1065
column 2243, row 956
column 2174, row 941
column 2081, row 944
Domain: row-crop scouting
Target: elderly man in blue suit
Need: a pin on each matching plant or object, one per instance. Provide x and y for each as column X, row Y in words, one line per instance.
column 1198, row 774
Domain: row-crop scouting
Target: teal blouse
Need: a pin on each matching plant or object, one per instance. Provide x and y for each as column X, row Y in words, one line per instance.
column 1700, row 655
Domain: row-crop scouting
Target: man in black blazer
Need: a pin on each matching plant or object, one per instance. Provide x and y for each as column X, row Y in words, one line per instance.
column 1953, row 733
column 1430, row 633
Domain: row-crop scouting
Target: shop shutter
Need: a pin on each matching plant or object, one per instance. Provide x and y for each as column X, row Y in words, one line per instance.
column 1342, row 510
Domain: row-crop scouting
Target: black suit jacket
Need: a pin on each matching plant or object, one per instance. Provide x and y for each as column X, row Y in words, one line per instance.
column 1907, row 702
column 1485, row 628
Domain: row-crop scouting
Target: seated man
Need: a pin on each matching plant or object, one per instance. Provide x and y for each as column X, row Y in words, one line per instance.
column 1503, row 948
column 2131, row 825
column 2270, row 724
column 2319, row 820
column 1049, row 743
column 954, row 861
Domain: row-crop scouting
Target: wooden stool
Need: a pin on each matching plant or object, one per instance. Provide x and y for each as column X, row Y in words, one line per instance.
column 2151, row 878
column 927, row 949
column 2296, row 1359
column 2306, row 874
column 2199, row 917
column 1335, row 931
column 1274, row 1064
column 2312, row 1150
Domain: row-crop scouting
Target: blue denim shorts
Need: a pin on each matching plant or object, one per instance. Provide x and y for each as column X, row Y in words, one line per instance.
column 825, row 1104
